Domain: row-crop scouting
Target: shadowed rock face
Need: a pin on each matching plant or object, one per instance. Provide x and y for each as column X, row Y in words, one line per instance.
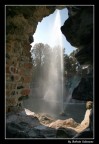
column 84, row 91
column 78, row 30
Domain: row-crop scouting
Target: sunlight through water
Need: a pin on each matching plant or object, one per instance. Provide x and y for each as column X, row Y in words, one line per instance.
column 54, row 91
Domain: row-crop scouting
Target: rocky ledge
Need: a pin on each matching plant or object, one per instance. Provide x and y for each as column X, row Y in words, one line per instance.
column 78, row 30
column 27, row 124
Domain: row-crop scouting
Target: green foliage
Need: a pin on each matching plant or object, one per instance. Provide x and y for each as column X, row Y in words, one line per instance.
column 38, row 54
column 42, row 57
column 71, row 66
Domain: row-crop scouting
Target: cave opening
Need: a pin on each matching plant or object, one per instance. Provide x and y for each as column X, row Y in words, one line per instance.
column 27, row 116
column 48, row 93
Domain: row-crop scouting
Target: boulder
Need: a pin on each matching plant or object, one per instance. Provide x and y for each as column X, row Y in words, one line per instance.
column 25, row 124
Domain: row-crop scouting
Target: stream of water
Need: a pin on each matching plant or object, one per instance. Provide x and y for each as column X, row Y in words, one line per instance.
column 54, row 90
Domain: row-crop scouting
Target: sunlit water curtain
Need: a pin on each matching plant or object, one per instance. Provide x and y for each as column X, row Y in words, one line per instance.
column 54, row 91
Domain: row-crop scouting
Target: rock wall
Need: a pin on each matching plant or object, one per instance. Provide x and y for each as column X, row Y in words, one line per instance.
column 78, row 30
column 18, row 71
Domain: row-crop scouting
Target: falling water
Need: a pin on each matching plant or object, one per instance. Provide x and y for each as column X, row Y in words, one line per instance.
column 54, row 91
column 52, row 86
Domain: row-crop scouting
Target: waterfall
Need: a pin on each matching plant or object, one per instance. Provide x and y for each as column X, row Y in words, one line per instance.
column 54, row 89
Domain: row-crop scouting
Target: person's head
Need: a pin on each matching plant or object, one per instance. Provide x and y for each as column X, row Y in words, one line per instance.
column 89, row 105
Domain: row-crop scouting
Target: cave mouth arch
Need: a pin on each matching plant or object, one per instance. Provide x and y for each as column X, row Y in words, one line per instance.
column 44, row 22
column 18, row 28
column 15, row 21
column 16, row 42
